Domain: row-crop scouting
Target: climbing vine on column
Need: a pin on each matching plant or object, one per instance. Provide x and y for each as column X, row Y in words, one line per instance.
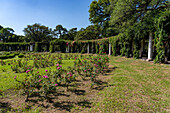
column 162, row 38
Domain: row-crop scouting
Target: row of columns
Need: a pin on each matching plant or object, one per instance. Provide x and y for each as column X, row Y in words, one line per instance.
column 29, row 48
column 150, row 48
column 88, row 49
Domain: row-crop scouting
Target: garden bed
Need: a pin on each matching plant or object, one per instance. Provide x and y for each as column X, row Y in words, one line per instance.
column 129, row 85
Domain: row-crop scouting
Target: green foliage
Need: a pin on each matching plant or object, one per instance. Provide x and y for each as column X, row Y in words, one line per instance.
column 100, row 16
column 114, row 44
column 51, row 48
column 59, row 31
column 45, row 83
column 97, row 48
column 37, row 48
column 60, row 45
column 89, row 33
column 83, row 46
column 21, row 55
column 161, row 36
column 6, row 33
column 6, row 55
column 132, row 11
column 38, row 33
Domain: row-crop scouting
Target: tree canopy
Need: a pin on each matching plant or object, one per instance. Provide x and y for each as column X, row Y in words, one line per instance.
column 38, row 33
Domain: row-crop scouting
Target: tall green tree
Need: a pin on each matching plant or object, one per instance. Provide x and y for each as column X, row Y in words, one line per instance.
column 59, row 31
column 89, row 33
column 100, row 13
column 72, row 33
column 5, row 33
column 37, row 33
column 128, row 12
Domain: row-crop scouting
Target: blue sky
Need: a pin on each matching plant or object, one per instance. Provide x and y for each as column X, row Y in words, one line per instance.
column 17, row 14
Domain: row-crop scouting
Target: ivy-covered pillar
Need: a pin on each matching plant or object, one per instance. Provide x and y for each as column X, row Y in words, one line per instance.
column 141, row 49
column 110, row 49
column 68, row 48
column 28, row 48
column 9, row 48
column 31, row 47
column 167, row 54
column 88, row 48
column 150, row 48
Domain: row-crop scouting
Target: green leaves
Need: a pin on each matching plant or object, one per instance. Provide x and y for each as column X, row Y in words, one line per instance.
column 37, row 33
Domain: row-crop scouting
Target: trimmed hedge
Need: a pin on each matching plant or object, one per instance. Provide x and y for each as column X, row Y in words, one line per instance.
column 7, row 56
column 21, row 55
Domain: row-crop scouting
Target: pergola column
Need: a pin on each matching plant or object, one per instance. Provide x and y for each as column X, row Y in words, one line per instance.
column 110, row 48
column 31, row 47
column 68, row 48
column 150, row 48
column 141, row 49
column 88, row 48
column 9, row 48
column 166, row 55
column 46, row 48
column 28, row 48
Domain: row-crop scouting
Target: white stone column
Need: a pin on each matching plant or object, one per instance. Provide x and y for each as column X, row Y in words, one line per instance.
column 31, row 47
column 9, row 48
column 150, row 48
column 88, row 48
column 110, row 48
column 68, row 48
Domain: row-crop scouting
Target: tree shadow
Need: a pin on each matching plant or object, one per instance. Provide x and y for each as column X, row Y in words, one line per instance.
column 78, row 92
column 63, row 105
column 60, row 93
column 84, row 103
column 100, row 85
column 5, row 107
column 108, row 71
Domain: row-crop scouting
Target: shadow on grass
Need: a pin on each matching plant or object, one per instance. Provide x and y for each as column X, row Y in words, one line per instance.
column 108, row 72
column 78, row 92
column 85, row 104
column 100, row 85
column 69, row 105
column 5, row 107
column 63, row 105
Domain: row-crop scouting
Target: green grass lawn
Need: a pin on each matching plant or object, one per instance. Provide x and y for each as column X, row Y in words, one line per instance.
column 133, row 86
column 7, row 75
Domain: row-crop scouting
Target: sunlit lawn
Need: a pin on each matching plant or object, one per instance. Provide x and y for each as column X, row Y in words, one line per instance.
column 7, row 75
column 133, row 86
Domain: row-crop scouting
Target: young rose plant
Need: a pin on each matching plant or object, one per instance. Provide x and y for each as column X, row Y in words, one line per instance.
column 26, row 84
column 67, row 78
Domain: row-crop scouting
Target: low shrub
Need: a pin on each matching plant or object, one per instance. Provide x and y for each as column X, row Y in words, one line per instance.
column 11, row 56
column 6, row 53
column 21, row 55
column 7, row 56
column 16, row 53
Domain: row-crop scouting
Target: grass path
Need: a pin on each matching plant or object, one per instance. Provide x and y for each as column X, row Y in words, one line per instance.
column 136, row 86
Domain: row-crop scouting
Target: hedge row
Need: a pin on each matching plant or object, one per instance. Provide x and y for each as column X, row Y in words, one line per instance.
column 7, row 56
